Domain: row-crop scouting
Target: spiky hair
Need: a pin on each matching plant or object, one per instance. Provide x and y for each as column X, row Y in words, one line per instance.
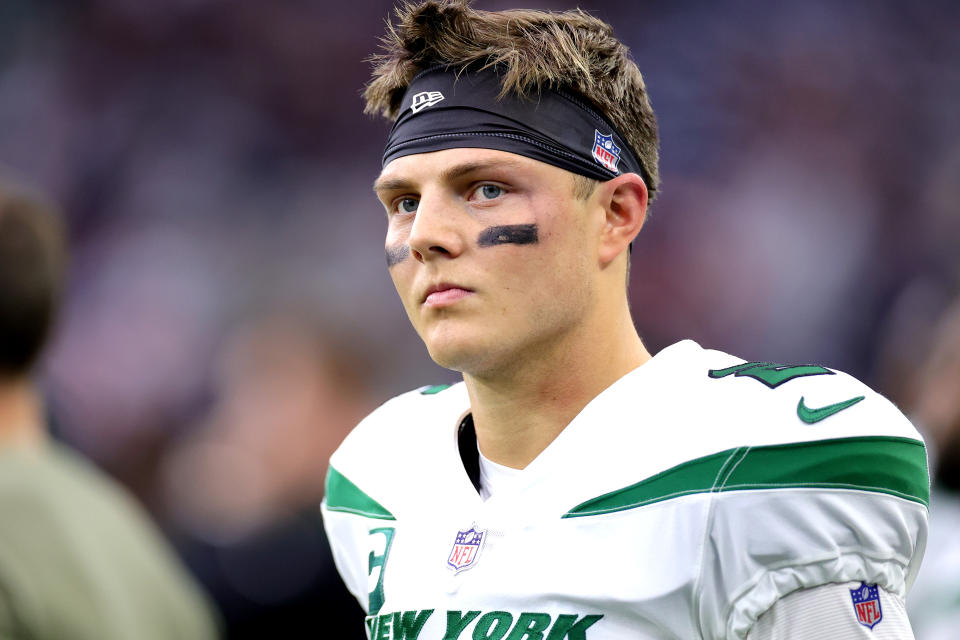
column 531, row 49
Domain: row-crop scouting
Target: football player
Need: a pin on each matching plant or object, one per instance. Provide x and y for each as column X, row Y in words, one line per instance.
column 573, row 486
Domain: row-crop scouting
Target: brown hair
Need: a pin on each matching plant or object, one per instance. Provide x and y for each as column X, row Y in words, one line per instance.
column 535, row 50
column 32, row 260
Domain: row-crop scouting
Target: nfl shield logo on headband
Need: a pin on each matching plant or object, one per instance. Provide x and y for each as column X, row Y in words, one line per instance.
column 605, row 151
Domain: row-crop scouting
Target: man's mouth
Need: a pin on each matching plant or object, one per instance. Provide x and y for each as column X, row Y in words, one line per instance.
column 443, row 294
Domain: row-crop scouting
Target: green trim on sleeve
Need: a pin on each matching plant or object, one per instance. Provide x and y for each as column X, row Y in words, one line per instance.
column 891, row 465
column 344, row 496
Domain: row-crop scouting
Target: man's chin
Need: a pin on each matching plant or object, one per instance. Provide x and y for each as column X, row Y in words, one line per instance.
column 455, row 359
column 458, row 353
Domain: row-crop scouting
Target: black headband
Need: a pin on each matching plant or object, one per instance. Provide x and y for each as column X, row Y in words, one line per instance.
column 442, row 109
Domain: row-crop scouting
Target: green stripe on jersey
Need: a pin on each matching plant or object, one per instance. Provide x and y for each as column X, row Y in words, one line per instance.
column 896, row 466
column 343, row 495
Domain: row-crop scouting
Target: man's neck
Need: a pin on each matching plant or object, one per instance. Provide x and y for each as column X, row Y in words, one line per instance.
column 21, row 414
column 518, row 413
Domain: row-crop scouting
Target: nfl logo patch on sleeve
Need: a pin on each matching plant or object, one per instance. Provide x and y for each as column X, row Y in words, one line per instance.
column 466, row 549
column 866, row 604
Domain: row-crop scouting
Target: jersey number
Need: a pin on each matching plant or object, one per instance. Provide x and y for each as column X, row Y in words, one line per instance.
column 771, row 374
column 383, row 539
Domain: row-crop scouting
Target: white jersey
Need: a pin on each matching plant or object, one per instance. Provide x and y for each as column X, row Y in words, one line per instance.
column 683, row 502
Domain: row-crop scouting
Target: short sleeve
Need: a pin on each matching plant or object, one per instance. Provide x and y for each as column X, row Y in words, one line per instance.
column 848, row 510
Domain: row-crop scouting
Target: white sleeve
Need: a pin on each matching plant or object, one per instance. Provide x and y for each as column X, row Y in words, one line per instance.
column 829, row 611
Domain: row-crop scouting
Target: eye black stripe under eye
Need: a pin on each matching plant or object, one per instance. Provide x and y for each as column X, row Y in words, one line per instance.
column 397, row 254
column 508, row 234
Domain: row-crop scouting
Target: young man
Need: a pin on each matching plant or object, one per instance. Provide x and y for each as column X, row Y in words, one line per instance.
column 78, row 558
column 573, row 486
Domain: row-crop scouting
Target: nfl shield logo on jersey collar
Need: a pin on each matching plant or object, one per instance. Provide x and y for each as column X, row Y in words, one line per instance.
column 466, row 549
column 866, row 604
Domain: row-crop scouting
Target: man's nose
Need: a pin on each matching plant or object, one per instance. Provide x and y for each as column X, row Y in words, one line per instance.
column 437, row 229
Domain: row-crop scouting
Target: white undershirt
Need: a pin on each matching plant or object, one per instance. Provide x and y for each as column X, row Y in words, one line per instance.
column 495, row 477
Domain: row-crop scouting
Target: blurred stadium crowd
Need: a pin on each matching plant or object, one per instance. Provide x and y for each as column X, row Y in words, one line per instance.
column 229, row 316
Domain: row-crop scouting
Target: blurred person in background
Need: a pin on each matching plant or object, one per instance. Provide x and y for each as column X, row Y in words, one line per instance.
column 241, row 490
column 934, row 403
column 79, row 559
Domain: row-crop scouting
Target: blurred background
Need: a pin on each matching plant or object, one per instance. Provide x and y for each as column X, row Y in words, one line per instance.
column 230, row 317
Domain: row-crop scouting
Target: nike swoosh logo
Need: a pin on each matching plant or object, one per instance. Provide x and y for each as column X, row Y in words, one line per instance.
column 810, row 416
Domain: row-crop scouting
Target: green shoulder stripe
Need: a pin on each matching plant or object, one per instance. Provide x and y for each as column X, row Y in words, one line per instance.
column 895, row 466
column 343, row 495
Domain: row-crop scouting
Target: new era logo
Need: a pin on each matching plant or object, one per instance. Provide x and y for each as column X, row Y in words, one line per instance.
column 425, row 99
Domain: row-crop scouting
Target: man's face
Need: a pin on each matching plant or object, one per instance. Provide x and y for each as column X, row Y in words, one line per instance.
column 490, row 252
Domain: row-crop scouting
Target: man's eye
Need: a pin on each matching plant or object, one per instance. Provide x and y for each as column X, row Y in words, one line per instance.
column 408, row 205
column 491, row 191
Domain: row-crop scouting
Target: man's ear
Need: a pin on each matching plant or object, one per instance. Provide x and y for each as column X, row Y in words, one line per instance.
column 624, row 199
